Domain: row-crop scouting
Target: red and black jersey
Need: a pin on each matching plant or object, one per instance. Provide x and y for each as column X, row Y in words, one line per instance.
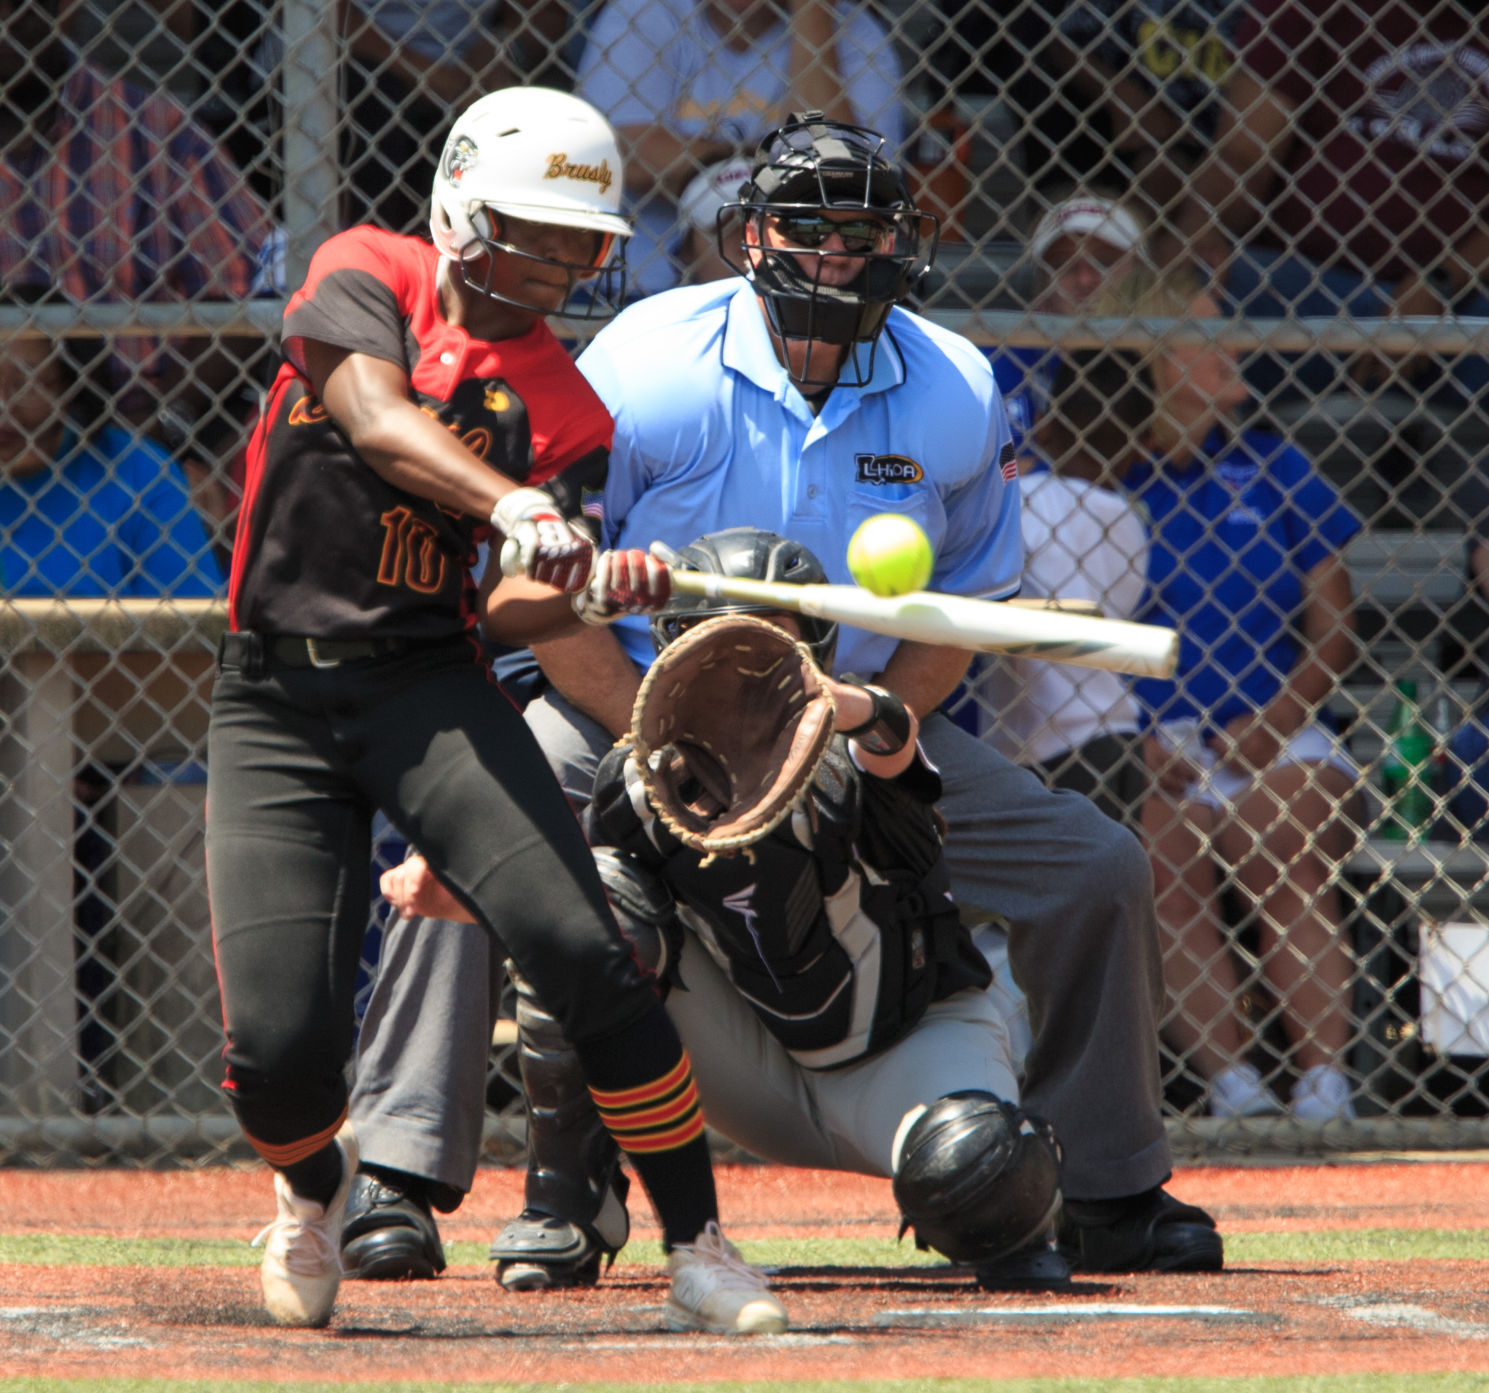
column 325, row 546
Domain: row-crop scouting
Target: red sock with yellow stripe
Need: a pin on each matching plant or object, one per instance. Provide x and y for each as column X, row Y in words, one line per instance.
column 642, row 1084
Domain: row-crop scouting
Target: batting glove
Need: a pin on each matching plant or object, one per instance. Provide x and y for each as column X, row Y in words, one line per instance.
column 623, row 582
column 540, row 543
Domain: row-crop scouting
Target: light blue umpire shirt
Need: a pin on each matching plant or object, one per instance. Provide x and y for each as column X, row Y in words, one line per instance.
column 710, row 432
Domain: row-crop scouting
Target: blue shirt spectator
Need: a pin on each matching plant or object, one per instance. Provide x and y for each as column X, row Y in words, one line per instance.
column 110, row 517
column 1234, row 531
column 1245, row 561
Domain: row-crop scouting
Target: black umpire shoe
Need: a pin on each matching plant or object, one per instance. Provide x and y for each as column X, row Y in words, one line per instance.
column 1150, row 1232
column 389, row 1231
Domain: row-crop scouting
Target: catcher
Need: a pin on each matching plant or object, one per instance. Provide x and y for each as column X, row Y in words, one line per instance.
column 767, row 839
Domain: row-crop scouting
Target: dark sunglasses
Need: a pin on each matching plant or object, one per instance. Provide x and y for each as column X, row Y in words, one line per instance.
column 812, row 230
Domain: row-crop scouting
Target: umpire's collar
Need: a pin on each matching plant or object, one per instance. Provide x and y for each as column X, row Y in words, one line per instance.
column 750, row 351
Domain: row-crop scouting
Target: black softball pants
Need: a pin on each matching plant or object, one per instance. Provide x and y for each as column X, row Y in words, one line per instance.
column 299, row 759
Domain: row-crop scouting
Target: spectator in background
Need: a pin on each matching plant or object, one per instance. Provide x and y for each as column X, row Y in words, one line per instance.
column 1085, row 241
column 1010, row 51
column 697, row 249
column 97, row 511
column 408, row 66
column 1076, row 727
column 100, row 513
column 110, row 194
column 1154, row 70
column 1245, row 561
column 1351, row 162
column 690, row 82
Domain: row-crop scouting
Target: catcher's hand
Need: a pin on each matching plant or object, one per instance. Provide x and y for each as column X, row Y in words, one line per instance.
column 729, row 727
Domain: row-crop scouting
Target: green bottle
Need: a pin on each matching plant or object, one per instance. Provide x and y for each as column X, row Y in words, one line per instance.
column 1406, row 768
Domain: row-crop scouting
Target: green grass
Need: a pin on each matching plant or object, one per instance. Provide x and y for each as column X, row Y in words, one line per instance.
column 1308, row 1248
column 1328, row 1383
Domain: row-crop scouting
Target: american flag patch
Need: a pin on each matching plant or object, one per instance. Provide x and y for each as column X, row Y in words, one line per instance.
column 1008, row 460
column 592, row 503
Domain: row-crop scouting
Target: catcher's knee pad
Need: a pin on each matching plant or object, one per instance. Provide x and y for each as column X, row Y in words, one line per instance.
column 644, row 909
column 573, row 1163
column 975, row 1177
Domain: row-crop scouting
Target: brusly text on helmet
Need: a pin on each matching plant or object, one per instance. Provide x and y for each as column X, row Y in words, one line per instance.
column 560, row 167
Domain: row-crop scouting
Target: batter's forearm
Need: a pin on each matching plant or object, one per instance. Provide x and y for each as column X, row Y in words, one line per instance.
column 369, row 402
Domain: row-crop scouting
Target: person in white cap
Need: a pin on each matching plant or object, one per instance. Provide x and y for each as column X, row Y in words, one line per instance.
column 697, row 248
column 1082, row 244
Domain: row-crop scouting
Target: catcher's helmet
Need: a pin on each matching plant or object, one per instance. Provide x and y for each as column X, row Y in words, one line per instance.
column 808, row 165
column 543, row 156
column 747, row 553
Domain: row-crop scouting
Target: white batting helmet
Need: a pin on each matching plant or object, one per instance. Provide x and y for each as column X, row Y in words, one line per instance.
column 533, row 153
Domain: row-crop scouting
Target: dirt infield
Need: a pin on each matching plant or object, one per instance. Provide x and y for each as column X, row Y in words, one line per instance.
column 850, row 1323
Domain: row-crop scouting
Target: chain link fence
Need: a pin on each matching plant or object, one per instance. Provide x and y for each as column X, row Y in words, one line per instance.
column 1151, row 211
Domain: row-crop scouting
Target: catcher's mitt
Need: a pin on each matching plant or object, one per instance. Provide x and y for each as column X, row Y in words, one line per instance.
column 729, row 727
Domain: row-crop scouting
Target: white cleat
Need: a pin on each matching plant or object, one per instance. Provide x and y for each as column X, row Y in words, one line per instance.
column 302, row 1248
column 716, row 1290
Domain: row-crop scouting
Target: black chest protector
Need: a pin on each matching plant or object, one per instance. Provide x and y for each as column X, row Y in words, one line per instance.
column 838, row 928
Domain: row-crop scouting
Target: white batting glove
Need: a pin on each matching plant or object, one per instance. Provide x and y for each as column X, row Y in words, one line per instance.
column 540, row 543
column 623, row 582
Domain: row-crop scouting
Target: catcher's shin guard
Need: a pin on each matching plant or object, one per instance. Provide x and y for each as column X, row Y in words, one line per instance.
column 575, row 1213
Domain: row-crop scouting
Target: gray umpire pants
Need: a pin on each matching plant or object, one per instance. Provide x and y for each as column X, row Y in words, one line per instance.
column 1075, row 890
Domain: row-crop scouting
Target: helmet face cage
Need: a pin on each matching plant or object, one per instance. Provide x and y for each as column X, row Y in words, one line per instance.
column 603, row 281
column 807, row 166
column 747, row 553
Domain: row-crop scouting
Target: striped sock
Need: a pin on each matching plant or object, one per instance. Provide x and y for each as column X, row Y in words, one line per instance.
column 642, row 1084
column 311, row 1165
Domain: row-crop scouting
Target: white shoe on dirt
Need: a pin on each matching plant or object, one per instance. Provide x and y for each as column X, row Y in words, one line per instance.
column 302, row 1248
column 716, row 1290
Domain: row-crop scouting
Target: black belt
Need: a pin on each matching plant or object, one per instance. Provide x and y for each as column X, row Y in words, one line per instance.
column 253, row 653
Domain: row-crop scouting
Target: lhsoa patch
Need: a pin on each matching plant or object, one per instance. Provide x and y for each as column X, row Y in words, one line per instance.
column 888, row 469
